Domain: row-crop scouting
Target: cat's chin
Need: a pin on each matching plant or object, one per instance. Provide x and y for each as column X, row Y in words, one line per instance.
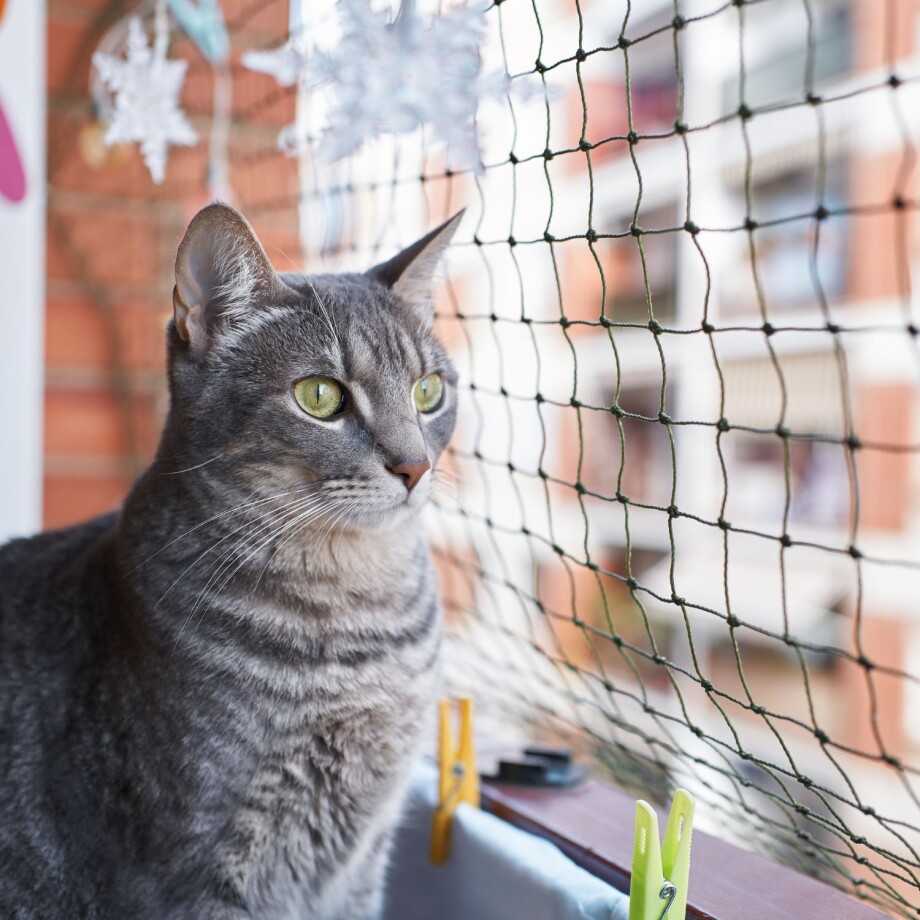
column 384, row 517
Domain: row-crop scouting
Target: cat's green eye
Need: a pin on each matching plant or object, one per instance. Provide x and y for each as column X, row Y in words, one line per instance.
column 428, row 393
column 320, row 397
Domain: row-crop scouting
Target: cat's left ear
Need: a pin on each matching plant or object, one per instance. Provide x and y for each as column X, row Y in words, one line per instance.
column 411, row 275
column 223, row 276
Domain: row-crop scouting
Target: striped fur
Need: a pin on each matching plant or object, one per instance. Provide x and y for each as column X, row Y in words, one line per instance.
column 209, row 701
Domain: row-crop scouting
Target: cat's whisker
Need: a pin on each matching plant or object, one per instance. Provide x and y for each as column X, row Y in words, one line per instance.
column 189, row 469
column 439, row 482
column 239, row 545
column 225, row 564
column 281, row 545
column 330, row 320
column 269, row 520
column 304, row 511
column 302, row 520
column 447, row 486
column 235, row 510
column 214, row 546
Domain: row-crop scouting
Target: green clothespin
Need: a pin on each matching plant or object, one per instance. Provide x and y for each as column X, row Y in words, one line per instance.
column 658, row 887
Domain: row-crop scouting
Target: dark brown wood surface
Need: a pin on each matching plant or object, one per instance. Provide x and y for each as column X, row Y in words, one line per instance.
column 593, row 825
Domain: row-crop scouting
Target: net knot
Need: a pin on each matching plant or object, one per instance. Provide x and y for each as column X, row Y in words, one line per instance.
column 691, row 227
column 785, row 540
column 581, row 55
column 744, row 112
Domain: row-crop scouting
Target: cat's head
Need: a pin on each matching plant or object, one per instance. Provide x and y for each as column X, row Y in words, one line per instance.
column 330, row 389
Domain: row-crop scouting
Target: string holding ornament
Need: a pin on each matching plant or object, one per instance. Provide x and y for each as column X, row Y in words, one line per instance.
column 136, row 87
column 145, row 87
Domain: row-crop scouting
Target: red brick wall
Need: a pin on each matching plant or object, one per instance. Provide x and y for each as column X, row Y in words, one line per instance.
column 112, row 236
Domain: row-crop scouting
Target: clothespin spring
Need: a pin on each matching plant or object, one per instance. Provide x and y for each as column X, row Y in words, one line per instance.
column 668, row 891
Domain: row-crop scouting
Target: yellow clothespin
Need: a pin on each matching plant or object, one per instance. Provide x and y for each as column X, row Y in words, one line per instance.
column 658, row 887
column 459, row 781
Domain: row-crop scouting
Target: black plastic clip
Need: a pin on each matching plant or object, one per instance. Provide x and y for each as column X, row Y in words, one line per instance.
column 541, row 767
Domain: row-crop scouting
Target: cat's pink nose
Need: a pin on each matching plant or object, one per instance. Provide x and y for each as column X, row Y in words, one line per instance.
column 411, row 471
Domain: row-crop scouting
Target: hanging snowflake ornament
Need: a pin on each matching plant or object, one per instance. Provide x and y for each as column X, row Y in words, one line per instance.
column 391, row 77
column 145, row 86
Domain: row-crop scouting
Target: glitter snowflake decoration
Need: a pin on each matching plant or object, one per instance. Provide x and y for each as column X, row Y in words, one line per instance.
column 145, row 86
column 392, row 77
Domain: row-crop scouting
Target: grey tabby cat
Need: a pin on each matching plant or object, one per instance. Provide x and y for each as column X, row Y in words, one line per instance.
column 209, row 701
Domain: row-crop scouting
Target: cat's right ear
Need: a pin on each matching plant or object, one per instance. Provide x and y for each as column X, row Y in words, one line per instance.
column 222, row 275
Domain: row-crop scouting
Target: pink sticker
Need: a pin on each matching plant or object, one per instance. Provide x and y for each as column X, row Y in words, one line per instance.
column 12, row 175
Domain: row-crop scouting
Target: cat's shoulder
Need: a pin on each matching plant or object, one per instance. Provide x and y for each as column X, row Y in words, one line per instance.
column 26, row 561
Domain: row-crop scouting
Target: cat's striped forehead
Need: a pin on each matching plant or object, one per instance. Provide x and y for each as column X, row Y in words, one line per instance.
column 358, row 329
